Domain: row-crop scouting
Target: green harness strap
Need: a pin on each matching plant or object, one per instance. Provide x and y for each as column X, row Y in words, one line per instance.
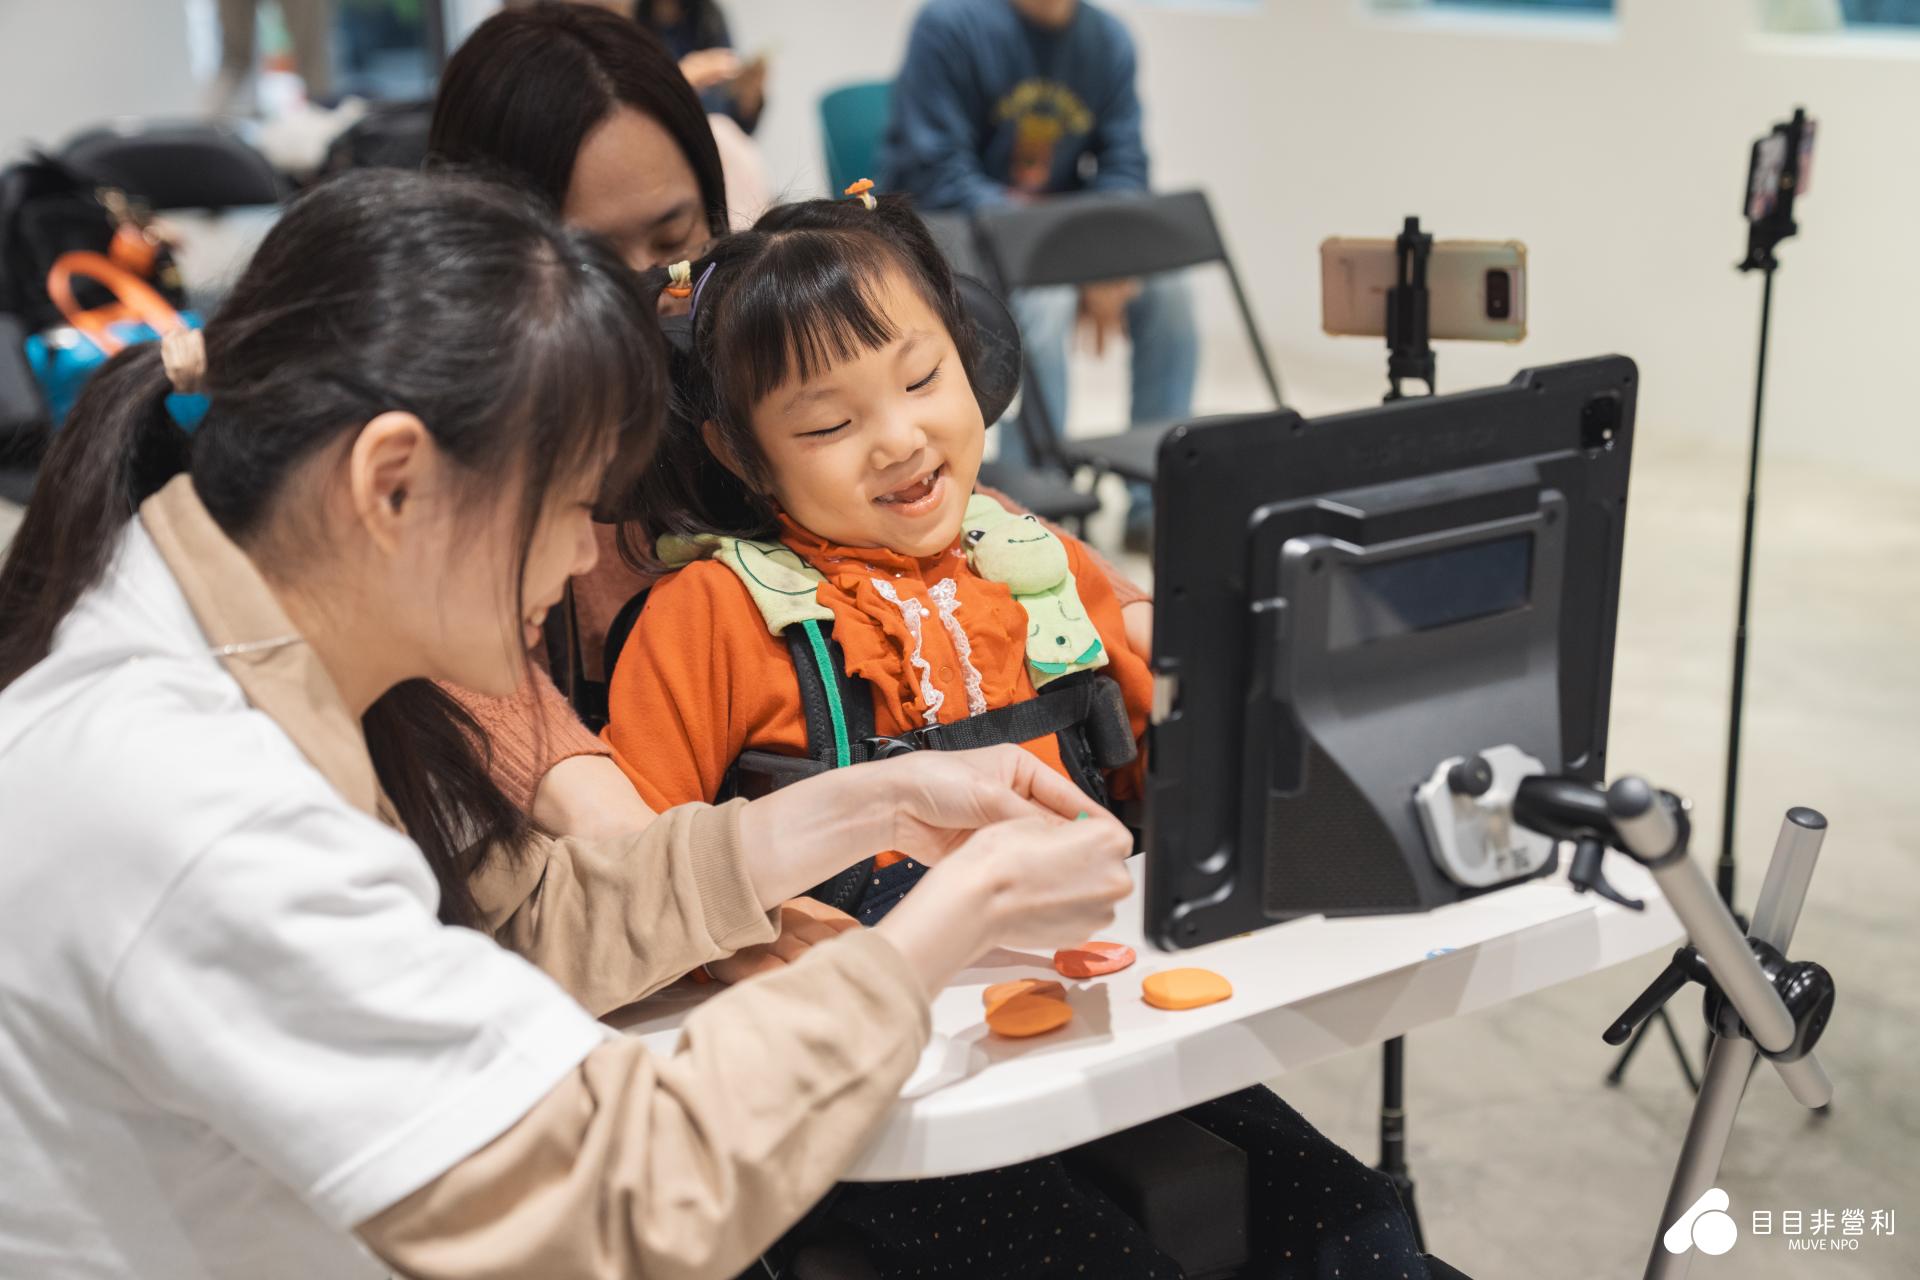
column 830, row 681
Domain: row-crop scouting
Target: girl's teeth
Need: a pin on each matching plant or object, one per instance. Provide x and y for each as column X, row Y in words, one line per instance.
column 901, row 497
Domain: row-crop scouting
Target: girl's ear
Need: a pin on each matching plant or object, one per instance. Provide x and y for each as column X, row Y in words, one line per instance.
column 720, row 447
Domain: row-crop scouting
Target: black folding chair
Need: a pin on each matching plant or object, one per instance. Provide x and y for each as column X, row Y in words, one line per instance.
column 1076, row 240
column 1049, row 494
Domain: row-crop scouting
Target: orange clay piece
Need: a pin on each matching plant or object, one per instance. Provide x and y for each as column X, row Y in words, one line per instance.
column 860, row 187
column 1091, row 959
column 1000, row 992
column 1185, row 988
column 1028, row 1015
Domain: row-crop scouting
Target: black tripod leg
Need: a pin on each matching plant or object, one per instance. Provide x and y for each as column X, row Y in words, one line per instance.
column 1619, row 1072
column 1393, row 1131
column 1679, row 1051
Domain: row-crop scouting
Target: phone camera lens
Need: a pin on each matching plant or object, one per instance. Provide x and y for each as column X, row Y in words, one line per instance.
column 1499, row 295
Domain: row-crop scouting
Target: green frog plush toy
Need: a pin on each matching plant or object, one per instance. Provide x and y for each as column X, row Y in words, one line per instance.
column 1025, row 555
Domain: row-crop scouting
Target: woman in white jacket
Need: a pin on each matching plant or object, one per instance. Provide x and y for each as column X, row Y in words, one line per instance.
column 250, row 1022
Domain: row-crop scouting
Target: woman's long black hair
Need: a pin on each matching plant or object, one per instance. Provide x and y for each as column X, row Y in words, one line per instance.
column 787, row 298
column 525, row 348
column 523, row 92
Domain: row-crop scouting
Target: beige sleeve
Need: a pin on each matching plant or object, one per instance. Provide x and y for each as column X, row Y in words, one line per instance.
column 612, row 920
column 688, row 1166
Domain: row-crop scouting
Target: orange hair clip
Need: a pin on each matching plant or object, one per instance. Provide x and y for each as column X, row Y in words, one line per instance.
column 680, row 279
column 862, row 191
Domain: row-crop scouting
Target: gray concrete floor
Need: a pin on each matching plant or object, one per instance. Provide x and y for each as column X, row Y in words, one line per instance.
column 1526, row 1165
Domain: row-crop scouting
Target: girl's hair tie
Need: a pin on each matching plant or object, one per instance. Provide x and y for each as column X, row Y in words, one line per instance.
column 862, row 191
column 680, row 279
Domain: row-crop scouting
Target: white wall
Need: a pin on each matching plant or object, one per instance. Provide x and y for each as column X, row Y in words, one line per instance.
column 67, row 64
column 1618, row 152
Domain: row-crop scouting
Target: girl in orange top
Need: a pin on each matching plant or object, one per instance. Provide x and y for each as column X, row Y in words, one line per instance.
column 831, row 379
column 831, row 408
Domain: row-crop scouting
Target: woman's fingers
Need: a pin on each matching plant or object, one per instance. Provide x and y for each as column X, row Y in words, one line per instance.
column 1006, row 783
column 1037, row 783
column 1052, row 884
column 1038, row 883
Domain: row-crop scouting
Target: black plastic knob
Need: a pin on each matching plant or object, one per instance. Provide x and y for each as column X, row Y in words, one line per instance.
column 1471, row 777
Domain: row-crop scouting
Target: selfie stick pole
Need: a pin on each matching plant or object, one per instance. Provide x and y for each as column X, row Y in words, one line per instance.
column 1763, row 233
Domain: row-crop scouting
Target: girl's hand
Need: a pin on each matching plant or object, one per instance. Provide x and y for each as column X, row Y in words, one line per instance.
column 804, row 924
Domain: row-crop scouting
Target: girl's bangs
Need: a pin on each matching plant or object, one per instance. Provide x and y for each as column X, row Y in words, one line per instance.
column 811, row 303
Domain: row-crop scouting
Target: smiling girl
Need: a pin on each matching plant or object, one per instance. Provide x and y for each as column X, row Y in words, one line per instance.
column 830, row 436
column 822, row 464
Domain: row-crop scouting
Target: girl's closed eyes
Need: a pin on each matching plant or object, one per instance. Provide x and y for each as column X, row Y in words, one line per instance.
column 824, row 432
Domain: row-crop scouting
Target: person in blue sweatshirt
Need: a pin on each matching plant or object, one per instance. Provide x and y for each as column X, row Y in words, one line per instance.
column 1016, row 100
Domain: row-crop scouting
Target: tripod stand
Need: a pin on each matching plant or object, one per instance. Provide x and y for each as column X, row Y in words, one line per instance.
column 1776, row 175
column 1758, row 1002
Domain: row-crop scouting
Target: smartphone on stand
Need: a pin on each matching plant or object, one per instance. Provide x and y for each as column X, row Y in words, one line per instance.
column 1476, row 289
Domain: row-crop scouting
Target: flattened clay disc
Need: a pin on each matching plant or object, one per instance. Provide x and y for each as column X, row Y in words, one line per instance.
column 1000, row 991
column 1185, row 988
column 1091, row 959
column 1019, row 1016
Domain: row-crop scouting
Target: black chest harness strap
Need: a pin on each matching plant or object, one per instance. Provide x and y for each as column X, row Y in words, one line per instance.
column 1085, row 711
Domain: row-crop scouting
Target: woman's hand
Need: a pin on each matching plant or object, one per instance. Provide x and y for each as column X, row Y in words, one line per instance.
column 804, row 924
column 925, row 805
column 1033, row 883
column 947, row 796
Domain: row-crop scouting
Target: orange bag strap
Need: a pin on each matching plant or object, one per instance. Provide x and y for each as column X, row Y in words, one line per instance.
column 139, row 298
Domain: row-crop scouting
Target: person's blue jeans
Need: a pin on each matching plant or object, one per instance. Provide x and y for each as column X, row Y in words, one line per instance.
column 1166, row 357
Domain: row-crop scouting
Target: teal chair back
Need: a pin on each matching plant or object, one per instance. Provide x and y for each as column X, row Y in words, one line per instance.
column 852, row 120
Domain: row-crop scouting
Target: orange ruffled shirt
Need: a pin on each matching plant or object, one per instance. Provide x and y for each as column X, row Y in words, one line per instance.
column 701, row 679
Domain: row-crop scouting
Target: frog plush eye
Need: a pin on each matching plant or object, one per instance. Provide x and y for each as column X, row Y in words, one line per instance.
column 1033, row 518
column 974, row 535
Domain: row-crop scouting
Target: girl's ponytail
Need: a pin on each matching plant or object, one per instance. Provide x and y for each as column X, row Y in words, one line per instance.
column 119, row 444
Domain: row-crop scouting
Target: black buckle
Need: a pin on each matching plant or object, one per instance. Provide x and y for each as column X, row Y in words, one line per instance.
column 887, row 748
